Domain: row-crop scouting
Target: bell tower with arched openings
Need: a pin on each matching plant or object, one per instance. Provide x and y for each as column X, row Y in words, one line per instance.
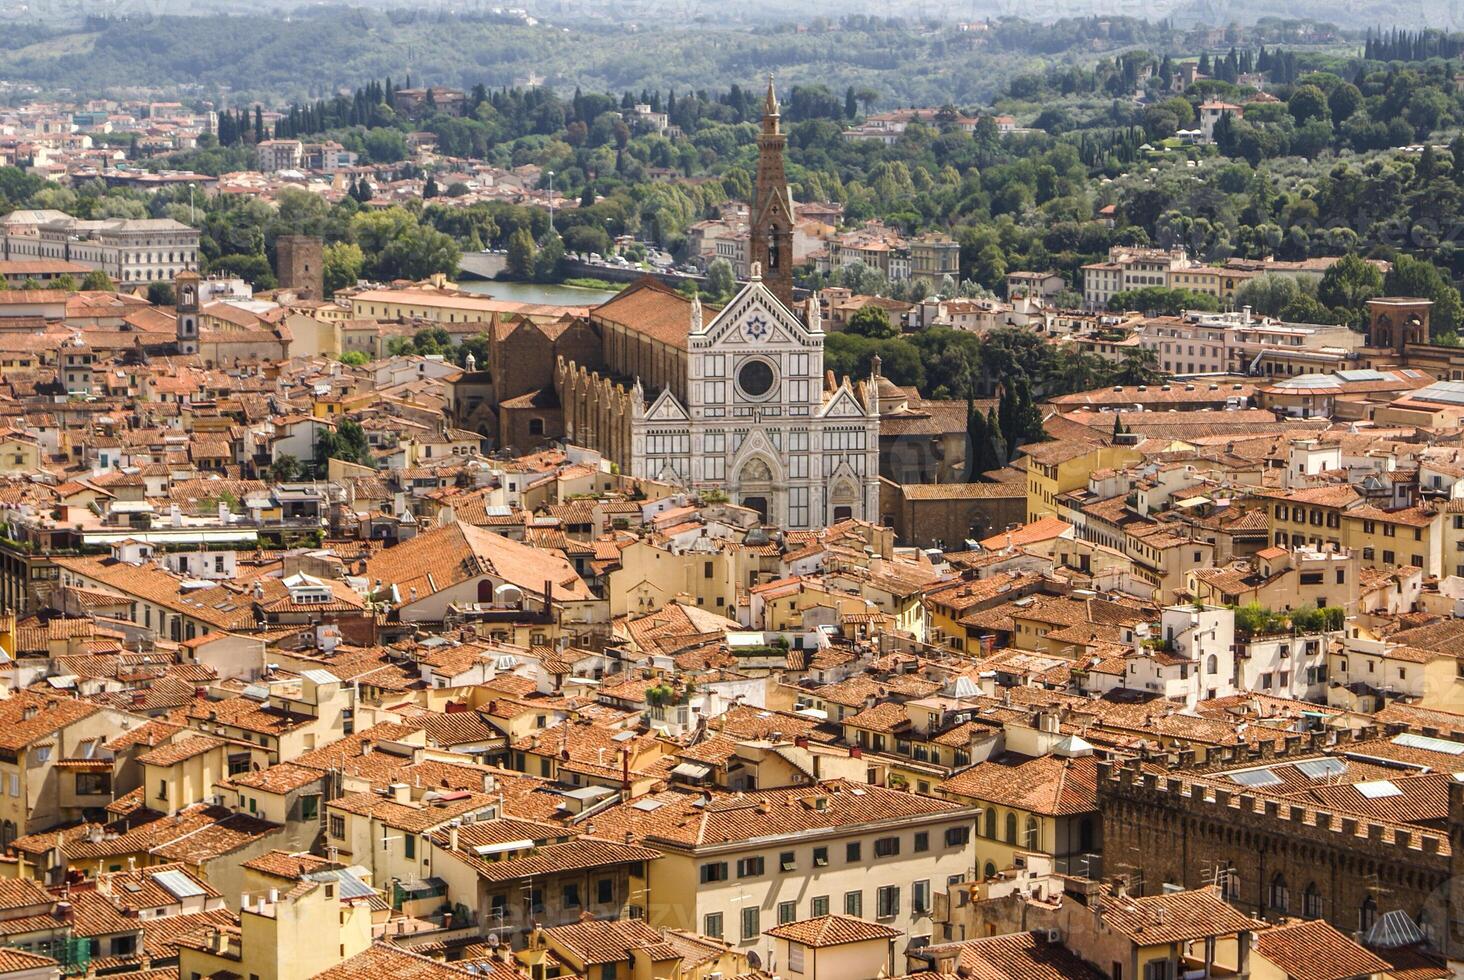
column 186, row 306
column 1394, row 322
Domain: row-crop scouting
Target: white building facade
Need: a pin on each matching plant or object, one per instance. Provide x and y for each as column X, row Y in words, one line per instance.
column 760, row 422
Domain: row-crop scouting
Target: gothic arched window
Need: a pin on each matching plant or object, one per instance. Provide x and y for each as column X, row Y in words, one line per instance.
column 1311, row 901
column 1280, row 896
column 1367, row 914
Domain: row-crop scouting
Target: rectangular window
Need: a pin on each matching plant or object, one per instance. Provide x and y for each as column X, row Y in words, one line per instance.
column 309, row 808
column 746, row 868
column 605, row 891
column 819, row 905
column 854, row 904
column 920, row 897
column 712, row 925
column 751, row 928
column 853, row 851
column 922, row 841
column 608, row 970
column 820, row 857
column 715, row 871
column 338, row 827
column 409, row 844
column 787, row 912
column 957, row 836
column 786, row 862
column 886, row 847
column 887, row 901
column 571, row 895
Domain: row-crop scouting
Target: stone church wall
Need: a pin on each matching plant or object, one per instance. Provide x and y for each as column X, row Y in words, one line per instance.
column 597, row 411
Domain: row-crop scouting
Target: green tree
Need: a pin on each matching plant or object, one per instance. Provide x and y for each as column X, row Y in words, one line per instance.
column 1268, row 293
column 549, row 258
column 1308, row 102
column 721, row 280
column 871, row 321
column 97, row 281
column 286, row 469
column 355, row 358
column 1350, row 283
column 521, row 253
column 1420, row 277
column 160, row 293
column 348, row 442
column 342, row 265
column 1139, row 366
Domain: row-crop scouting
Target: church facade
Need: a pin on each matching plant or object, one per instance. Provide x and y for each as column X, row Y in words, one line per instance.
column 735, row 400
column 761, row 422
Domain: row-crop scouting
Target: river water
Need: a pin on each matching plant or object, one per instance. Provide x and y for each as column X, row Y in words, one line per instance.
column 534, row 292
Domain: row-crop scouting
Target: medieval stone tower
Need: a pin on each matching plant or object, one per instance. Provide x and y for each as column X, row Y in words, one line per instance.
column 300, row 265
column 772, row 207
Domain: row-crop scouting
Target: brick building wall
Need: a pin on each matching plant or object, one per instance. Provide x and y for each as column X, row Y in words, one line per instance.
column 300, row 265
column 1164, row 824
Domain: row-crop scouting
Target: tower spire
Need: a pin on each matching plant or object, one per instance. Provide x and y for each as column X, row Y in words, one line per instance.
column 772, row 206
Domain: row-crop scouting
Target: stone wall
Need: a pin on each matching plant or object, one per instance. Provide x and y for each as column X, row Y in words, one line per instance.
column 1166, row 823
column 596, row 411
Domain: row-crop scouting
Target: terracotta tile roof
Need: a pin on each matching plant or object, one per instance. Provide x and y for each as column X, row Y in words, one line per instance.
column 686, row 820
column 138, row 888
column 26, row 718
column 415, row 817
column 283, row 864
column 278, row 779
column 1049, row 785
column 95, row 915
column 578, row 854
column 383, row 962
column 181, row 750
column 596, row 941
column 649, row 308
column 1020, row 956
column 832, row 930
column 1316, row 951
column 161, row 936
column 20, row 892
column 18, row 960
column 1175, row 918
column 438, row 559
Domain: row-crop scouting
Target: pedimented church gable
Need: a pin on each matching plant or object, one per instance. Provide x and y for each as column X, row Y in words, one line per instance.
column 843, row 404
column 666, row 409
column 755, row 317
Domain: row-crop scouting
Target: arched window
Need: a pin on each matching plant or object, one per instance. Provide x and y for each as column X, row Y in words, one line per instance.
column 1311, row 901
column 1280, row 897
column 1011, row 828
column 1030, row 840
column 989, row 871
column 1212, row 664
column 1367, row 915
column 990, row 823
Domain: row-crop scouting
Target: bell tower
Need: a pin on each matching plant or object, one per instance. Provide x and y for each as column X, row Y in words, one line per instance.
column 186, row 306
column 772, row 207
